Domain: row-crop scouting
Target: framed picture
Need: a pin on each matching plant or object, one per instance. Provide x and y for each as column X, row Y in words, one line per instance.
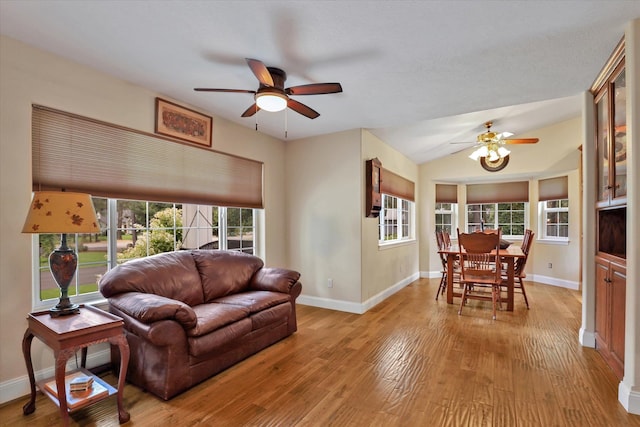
column 179, row 122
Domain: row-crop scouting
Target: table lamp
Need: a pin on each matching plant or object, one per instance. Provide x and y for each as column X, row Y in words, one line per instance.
column 62, row 212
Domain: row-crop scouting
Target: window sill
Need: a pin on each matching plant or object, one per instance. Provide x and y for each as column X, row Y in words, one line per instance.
column 391, row 245
column 99, row 302
column 557, row 242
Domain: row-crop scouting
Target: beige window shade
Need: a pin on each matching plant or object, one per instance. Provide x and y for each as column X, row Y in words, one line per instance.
column 76, row 153
column 553, row 188
column 395, row 185
column 446, row 193
column 501, row 192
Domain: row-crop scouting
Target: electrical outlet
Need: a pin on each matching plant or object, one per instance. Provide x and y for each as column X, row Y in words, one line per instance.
column 330, row 283
column 549, row 265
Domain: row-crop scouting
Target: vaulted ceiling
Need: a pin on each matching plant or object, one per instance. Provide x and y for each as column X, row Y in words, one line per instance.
column 418, row 74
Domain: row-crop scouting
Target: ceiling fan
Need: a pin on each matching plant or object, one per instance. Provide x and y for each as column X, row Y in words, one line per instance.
column 273, row 96
column 491, row 150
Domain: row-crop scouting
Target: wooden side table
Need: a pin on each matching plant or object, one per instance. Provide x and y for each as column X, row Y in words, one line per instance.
column 66, row 335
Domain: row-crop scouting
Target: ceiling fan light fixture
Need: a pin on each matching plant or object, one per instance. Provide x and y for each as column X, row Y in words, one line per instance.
column 271, row 101
column 481, row 151
column 503, row 152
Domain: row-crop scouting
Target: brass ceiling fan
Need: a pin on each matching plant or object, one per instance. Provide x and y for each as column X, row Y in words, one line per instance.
column 491, row 150
column 271, row 95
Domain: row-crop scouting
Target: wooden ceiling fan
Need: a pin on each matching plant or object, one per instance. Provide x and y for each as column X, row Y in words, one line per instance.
column 271, row 94
column 490, row 148
column 489, row 136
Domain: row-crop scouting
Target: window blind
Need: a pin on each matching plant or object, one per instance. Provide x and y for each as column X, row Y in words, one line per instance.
column 446, row 193
column 76, row 153
column 395, row 185
column 499, row 192
column 553, row 188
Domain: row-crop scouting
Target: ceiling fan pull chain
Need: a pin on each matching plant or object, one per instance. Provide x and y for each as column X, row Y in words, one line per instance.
column 286, row 124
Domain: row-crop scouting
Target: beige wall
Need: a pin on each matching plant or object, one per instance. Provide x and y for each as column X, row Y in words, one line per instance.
column 31, row 76
column 323, row 207
column 332, row 237
column 560, row 142
column 383, row 267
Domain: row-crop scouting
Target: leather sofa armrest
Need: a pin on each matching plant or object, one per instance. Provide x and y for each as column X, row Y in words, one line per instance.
column 150, row 308
column 274, row 279
column 161, row 333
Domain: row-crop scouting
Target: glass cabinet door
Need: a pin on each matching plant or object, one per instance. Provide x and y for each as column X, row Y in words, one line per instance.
column 602, row 148
column 619, row 163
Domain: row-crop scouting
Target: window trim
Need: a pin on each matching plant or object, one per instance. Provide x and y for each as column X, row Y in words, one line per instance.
column 411, row 223
column 542, row 224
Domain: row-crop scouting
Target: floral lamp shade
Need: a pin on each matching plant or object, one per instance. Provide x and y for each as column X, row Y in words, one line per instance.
column 61, row 212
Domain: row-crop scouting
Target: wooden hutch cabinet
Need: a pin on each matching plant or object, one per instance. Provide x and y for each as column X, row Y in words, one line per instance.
column 609, row 92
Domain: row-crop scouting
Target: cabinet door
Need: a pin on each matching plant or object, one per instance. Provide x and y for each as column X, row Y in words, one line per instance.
column 618, row 291
column 602, row 146
column 602, row 304
column 619, row 134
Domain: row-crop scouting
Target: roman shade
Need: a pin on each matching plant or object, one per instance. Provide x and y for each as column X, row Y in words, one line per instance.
column 553, row 188
column 395, row 185
column 498, row 192
column 80, row 154
column 446, row 193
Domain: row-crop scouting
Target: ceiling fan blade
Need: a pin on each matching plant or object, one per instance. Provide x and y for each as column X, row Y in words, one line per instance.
column 260, row 71
column 250, row 111
column 314, row 89
column 208, row 89
column 299, row 107
column 521, row 140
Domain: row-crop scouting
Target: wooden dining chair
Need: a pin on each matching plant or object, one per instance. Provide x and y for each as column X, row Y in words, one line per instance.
column 446, row 238
column 442, row 243
column 480, row 267
column 518, row 269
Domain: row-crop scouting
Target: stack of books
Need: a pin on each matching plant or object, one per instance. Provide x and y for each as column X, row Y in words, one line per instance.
column 81, row 383
column 81, row 389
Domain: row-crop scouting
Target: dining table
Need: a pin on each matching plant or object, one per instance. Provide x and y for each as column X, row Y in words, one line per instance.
column 508, row 255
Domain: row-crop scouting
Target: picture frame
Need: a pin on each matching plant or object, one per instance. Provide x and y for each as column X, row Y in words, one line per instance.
column 182, row 123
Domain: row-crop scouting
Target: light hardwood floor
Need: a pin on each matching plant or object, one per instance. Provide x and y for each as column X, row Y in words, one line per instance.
column 409, row 361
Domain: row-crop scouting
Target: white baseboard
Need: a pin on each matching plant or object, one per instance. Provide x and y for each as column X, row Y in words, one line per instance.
column 430, row 274
column 629, row 398
column 587, row 338
column 569, row 284
column 354, row 307
column 19, row 387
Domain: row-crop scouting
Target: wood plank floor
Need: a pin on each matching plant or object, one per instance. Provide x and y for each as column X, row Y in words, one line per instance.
column 409, row 361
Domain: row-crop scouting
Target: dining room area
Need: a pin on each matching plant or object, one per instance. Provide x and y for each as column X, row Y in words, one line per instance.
column 482, row 260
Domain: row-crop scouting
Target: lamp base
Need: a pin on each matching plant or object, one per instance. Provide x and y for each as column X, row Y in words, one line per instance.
column 62, row 263
column 64, row 311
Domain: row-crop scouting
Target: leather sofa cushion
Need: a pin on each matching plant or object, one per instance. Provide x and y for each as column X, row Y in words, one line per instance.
column 255, row 300
column 214, row 316
column 171, row 274
column 223, row 273
column 204, row 344
column 279, row 313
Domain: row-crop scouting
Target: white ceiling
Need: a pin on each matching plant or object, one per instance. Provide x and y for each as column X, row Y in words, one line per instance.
column 418, row 74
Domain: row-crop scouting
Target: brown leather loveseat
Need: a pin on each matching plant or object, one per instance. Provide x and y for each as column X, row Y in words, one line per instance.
column 191, row 314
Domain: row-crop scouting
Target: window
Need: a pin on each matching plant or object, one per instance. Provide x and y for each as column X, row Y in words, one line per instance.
column 446, row 216
column 553, row 208
column 135, row 229
column 509, row 217
column 396, row 219
column 554, row 215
